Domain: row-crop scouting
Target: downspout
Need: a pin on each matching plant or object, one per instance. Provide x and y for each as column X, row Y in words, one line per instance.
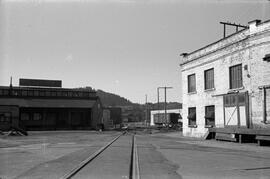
column 264, row 105
column 263, row 88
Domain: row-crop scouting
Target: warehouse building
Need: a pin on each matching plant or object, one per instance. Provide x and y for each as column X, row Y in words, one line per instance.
column 112, row 117
column 45, row 105
column 226, row 86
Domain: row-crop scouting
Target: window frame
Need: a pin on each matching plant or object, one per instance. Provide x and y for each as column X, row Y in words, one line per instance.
column 5, row 117
column 210, row 122
column 24, row 119
column 191, row 122
column 37, row 116
column 235, row 83
column 189, row 83
column 230, row 100
column 209, row 83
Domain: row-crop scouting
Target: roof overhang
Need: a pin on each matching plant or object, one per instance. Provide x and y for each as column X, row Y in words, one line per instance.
column 48, row 103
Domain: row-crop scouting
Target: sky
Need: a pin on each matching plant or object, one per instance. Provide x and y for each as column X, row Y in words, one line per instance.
column 126, row 47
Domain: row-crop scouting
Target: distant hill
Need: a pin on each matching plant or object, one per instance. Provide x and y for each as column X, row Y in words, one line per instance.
column 131, row 112
column 109, row 99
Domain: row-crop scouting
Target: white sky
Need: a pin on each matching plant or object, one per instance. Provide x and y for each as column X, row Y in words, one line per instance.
column 127, row 47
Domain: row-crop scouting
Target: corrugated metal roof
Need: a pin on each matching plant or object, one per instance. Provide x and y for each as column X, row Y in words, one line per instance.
column 48, row 103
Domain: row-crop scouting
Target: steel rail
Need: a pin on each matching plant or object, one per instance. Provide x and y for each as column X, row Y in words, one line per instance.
column 134, row 164
column 75, row 170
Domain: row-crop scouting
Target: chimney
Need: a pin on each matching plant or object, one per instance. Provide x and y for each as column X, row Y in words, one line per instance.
column 253, row 26
column 183, row 54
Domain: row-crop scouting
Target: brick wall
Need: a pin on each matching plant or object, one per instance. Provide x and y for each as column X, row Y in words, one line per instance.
column 248, row 48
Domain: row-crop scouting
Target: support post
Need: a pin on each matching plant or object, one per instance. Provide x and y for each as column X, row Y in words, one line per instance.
column 165, row 102
column 158, row 102
column 165, row 106
column 240, row 138
column 238, row 110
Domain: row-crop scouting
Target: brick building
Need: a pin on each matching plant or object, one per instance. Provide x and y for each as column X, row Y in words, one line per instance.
column 226, row 84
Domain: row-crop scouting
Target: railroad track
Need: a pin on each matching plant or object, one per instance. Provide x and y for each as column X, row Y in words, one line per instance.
column 133, row 165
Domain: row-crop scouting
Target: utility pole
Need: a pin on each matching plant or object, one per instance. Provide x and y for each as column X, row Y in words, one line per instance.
column 165, row 101
column 146, row 111
column 158, row 102
column 10, row 86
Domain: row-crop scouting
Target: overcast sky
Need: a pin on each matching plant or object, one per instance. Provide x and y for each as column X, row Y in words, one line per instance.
column 126, row 47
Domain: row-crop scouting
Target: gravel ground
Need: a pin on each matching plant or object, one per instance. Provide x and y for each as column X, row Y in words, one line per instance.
column 20, row 155
column 50, row 154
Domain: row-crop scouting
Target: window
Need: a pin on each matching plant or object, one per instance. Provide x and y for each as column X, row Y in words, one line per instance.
column 53, row 93
column 25, row 116
column 36, row 93
column 65, row 93
column 230, row 100
column 24, row 92
column 266, row 58
column 30, row 93
column 59, row 93
column 4, row 92
column 209, row 79
column 236, row 76
column 90, row 94
column 70, row 94
column 15, row 92
column 75, row 94
column 41, row 93
column 192, row 117
column 85, row 94
column 209, row 116
column 37, row 116
column 5, row 117
column 191, row 83
column 2, row 118
column 47, row 93
column 80, row 94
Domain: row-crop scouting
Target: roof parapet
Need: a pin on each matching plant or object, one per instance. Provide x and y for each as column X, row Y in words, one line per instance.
column 256, row 22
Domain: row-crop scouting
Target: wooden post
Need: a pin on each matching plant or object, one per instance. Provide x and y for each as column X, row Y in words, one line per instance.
column 238, row 110
column 259, row 143
column 240, row 138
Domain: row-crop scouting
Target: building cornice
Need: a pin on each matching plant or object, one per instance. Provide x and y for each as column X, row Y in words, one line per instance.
column 226, row 55
column 240, row 36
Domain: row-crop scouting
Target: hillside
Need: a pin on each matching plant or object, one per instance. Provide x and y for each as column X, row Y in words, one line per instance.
column 109, row 99
column 114, row 100
column 131, row 112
